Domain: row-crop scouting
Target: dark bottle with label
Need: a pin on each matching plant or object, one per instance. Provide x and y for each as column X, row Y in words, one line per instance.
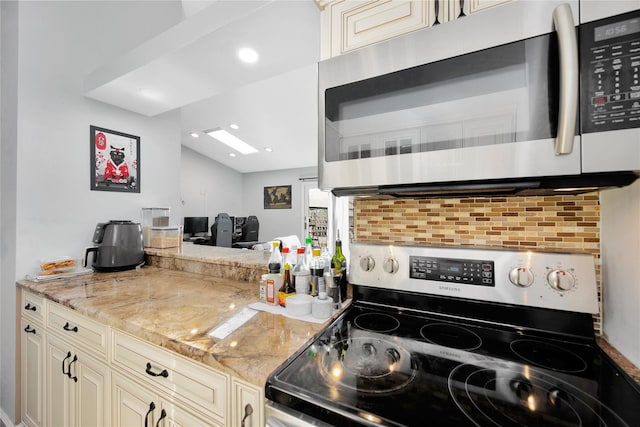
column 339, row 265
column 287, row 289
column 275, row 259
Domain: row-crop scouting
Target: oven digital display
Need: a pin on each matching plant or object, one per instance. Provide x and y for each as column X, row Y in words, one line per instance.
column 462, row 271
column 617, row 29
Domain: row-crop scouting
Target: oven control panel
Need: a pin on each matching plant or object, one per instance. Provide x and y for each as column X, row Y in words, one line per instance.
column 464, row 271
column 562, row 281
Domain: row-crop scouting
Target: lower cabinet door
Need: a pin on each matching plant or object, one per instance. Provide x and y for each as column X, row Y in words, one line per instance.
column 77, row 387
column 59, row 392
column 132, row 404
column 91, row 392
column 247, row 404
column 175, row 416
column 32, row 373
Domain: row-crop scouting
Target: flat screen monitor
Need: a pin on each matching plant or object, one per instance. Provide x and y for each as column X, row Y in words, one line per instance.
column 196, row 224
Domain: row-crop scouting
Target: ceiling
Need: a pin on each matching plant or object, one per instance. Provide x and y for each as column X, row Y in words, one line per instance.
column 193, row 67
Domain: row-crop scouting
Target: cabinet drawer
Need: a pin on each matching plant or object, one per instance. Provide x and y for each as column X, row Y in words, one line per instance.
column 195, row 384
column 33, row 307
column 78, row 329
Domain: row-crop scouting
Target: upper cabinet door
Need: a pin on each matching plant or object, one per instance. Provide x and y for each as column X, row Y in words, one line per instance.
column 354, row 24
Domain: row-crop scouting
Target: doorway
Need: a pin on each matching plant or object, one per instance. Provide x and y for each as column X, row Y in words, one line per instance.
column 315, row 213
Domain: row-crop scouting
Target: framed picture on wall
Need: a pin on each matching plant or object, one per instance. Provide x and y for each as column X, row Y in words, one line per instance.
column 114, row 161
column 277, row 197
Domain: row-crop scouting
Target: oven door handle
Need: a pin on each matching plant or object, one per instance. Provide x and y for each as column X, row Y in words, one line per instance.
column 569, row 75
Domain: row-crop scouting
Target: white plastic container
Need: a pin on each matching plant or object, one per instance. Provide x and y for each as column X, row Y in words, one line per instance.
column 299, row 304
column 322, row 307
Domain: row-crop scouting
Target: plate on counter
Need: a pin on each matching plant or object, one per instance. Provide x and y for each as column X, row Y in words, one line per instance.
column 56, row 274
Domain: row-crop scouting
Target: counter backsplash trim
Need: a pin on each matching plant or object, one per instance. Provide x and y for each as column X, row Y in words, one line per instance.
column 565, row 223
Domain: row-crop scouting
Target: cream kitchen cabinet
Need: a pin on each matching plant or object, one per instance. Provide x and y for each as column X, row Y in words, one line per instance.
column 247, row 404
column 77, row 387
column 136, row 405
column 351, row 24
column 32, row 372
column 172, row 376
column 76, row 371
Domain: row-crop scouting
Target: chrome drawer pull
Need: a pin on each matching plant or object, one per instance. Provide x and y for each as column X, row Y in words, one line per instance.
column 164, row 372
column 67, row 327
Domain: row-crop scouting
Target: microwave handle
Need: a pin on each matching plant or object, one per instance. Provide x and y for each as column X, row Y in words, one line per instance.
column 569, row 75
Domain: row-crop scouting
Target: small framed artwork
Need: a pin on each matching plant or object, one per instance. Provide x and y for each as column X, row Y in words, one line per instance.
column 115, row 161
column 277, row 197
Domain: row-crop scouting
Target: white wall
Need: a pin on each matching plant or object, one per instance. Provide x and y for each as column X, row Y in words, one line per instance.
column 8, row 130
column 209, row 187
column 276, row 222
column 55, row 212
column 620, row 251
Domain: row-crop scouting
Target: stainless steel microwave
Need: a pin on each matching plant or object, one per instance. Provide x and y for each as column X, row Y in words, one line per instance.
column 531, row 97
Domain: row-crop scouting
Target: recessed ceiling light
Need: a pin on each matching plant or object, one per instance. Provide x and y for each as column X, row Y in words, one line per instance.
column 232, row 154
column 268, row 149
column 248, row 55
column 194, row 135
column 234, row 126
column 231, row 140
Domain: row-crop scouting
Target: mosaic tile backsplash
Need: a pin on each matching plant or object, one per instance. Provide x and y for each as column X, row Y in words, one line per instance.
column 565, row 223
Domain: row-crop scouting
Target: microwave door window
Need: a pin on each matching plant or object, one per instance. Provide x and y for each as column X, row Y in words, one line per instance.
column 500, row 95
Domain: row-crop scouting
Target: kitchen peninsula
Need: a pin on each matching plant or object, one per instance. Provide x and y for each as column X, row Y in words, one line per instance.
column 140, row 313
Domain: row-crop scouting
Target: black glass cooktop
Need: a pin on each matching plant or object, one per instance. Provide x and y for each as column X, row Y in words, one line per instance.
column 383, row 366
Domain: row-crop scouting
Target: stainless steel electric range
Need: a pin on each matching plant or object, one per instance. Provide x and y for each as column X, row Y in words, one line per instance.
column 457, row 337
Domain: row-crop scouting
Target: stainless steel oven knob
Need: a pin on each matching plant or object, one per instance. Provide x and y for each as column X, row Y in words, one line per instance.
column 521, row 276
column 367, row 263
column 561, row 280
column 390, row 265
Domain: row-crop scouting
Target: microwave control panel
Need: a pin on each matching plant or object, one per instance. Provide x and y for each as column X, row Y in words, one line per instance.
column 610, row 70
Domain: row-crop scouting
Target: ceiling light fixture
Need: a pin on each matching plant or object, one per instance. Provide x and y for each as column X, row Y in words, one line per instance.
column 248, row 55
column 232, row 154
column 268, row 149
column 194, row 135
column 231, row 141
column 234, row 126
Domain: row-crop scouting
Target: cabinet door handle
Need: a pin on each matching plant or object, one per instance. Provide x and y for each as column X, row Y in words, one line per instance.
column 248, row 410
column 163, row 414
column 74, row 378
column 30, row 307
column 164, row 372
column 30, row 330
column 67, row 327
column 64, row 360
column 152, row 406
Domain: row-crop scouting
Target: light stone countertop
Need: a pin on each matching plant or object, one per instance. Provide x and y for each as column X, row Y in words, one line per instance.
column 177, row 310
column 232, row 263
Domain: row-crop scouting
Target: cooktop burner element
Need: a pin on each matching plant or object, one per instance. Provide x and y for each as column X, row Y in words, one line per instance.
column 453, row 336
column 368, row 365
column 377, row 322
column 517, row 397
column 548, row 355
